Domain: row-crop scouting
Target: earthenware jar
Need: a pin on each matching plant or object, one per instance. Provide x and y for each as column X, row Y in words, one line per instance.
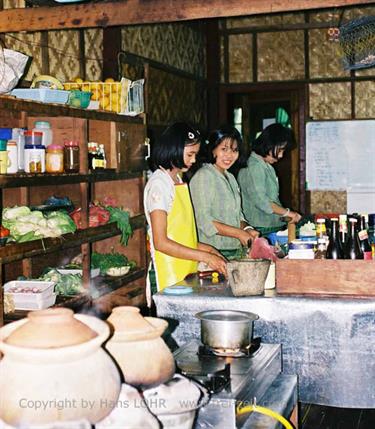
column 137, row 347
column 54, row 369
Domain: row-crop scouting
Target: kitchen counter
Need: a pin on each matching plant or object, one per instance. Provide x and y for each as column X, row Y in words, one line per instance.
column 328, row 342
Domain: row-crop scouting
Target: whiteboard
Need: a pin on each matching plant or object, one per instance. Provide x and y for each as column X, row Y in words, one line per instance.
column 340, row 155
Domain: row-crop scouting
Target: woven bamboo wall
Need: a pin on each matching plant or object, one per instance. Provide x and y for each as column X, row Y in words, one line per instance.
column 280, row 56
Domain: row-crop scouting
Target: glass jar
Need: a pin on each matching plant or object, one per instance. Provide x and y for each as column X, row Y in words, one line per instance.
column 35, row 163
column 39, row 152
column 55, row 159
column 71, row 157
column 33, row 137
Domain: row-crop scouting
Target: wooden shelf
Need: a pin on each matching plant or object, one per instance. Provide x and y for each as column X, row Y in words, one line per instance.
column 26, row 179
column 84, row 301
column 48, row 109
column 16, row 252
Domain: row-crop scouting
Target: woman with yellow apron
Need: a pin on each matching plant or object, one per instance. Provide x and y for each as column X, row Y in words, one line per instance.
column 174, row 247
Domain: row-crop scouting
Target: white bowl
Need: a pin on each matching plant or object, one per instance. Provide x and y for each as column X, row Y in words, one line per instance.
column 118, row 271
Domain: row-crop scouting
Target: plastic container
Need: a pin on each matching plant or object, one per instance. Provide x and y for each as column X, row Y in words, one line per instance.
column 55, row 159
column 5, row 133
column 3, row 156
column 18, row 134
column 33, row 137
column 42, row 297
column 35, row 161
column 79, row 98
column 45, row 128
column 12, row 166
column 71, row 157
column 44, row 95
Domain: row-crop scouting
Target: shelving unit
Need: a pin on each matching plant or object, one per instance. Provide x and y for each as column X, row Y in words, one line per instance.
column 124, row 141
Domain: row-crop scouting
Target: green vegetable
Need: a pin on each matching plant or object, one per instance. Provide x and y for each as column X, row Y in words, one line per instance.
column 122, row 219
column 104, row 261
column 12, row 213
column 66, row 284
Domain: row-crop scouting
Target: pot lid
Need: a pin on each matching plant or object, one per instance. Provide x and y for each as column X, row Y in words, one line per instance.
column 130, row 325
column 50, row 328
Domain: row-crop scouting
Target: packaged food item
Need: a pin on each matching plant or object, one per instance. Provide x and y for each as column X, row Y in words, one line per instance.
column 12, row 165
column 55, row 159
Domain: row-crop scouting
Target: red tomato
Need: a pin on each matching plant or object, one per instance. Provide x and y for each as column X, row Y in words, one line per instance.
column 4, row 232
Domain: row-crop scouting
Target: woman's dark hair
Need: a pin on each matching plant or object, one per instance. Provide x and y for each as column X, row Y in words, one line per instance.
column 168, row 149
column 217, row 137
column 272, row 139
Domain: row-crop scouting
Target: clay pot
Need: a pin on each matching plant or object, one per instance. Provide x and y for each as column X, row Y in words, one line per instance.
column 66, row 375
column 137, row 346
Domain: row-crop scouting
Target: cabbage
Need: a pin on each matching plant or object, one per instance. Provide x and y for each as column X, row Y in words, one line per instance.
column 12, row 213
column 34, row 217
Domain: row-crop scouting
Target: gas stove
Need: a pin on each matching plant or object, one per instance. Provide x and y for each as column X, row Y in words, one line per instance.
column 230, row 380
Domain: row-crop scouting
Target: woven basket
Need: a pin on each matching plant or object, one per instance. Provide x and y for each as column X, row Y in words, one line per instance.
column 357, row 40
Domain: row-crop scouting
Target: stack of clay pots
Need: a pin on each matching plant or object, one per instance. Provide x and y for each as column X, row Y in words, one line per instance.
column 54, row 369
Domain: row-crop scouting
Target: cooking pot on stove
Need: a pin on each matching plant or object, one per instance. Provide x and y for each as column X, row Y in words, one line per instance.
column 226, row 329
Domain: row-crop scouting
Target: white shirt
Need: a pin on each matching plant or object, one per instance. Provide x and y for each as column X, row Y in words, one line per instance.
column 158, row 194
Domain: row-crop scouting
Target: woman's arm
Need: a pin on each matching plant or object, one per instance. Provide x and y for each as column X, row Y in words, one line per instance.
column 231, row 231
column 170, row 247
column 293, row 217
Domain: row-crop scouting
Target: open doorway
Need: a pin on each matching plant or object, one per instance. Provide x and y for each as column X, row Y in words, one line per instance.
column 251, row 108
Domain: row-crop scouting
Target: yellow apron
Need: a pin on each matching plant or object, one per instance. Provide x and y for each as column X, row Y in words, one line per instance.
column 180, row 228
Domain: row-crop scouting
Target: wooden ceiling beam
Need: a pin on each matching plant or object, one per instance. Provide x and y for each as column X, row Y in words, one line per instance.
column 125, row 12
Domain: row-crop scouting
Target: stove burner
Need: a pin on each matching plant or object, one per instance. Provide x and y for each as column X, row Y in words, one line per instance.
column 206, row 351
column 215, row 382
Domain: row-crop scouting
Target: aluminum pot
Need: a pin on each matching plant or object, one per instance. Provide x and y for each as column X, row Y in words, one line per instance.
column 226, row 329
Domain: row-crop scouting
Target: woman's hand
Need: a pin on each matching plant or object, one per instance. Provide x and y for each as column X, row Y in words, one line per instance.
column 216, row 263
column 294, row 217
column 253, row 234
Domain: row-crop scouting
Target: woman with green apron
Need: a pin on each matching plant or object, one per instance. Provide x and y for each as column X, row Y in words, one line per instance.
column 174, row 246
column 216, row 196
column 259, row 183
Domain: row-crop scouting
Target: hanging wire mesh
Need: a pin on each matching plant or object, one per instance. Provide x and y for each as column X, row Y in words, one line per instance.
column 357, row 40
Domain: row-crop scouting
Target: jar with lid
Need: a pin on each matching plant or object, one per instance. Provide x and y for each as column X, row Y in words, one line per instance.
column 71, row 156
column 45, row 128
column 35, row 158
column 55, row 159
column 12, row 166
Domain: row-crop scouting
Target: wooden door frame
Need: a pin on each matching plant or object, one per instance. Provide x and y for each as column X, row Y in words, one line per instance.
column 274, row 91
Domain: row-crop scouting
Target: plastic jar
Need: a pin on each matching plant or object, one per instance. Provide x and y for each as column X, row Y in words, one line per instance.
column 35, row 158
column 71, row 157
column 18, row 134
column 33, row 137
column 45, row 128
column 55, row 159
column 12, row 150
column 3, row 156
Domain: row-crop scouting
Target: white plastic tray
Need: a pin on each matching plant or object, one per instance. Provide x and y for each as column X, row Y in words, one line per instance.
column 31, row 301
column 44, row 95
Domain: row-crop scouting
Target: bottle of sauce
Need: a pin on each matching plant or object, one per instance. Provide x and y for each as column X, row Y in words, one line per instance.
column 54, row 159
column 352, row 248
column 334, row 248
column 363, row 240
column 71, row 156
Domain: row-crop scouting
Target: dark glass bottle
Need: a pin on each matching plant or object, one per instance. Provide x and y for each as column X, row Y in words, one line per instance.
column 363, row 240
column 352, row 249
column 343, row 230
column 334, row 249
